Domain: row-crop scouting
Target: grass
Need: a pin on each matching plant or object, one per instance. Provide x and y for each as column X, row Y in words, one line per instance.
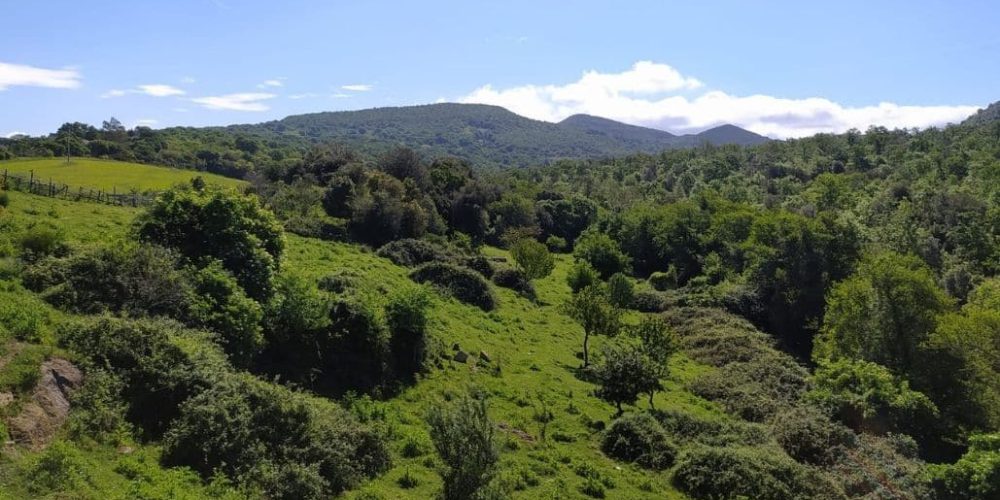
column 546, row 415
column 109, row 175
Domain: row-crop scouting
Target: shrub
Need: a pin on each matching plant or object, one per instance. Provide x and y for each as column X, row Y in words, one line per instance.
column 4, row 199
column 533, row 258
column 591, row 309
column 41, row 240
column 478, row 263
column 639, row 438
column 581, row 275
column 515, row 279
column 602, row 253
column 406, row 317
column 662, row 281
column 462, row 283
column 410, row 252
column 98, row 409
column 160, row 364
column 323, row 228
column 975, row 476
column 186, row 219
column 868, row 397
column 621, row 291
column 810, row 437
column 217, row 302
column 710, row 473
column 757, row 389
column 648, row 301
column 22, row 316
column 463, row 435
column 556, row 244
column 242, row 426
column 689, row 428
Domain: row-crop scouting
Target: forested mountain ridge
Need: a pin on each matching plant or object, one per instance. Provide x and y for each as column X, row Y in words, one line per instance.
column 989, row 114
column 485, row 136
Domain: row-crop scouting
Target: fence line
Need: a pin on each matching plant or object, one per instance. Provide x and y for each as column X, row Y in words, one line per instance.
column 28, row 184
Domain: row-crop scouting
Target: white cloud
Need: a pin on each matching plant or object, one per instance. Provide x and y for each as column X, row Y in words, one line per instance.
column 274, row 82
column 307, row 95
column 13, row 134
column 152, row 89
column 357, row 87
column 188, row 80
column 236, row 102
column 160, row 90
column 146, row 122
column 340, row 95
column 29, row 76
column 657, row 95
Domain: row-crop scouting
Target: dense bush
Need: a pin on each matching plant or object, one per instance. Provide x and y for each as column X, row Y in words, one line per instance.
column 688, row 428
column 217, row 302
column 509, row 277
column 191, row 221
column 648, row 301
column 159, row 363
column 754, row 390
column 555, row 244
column 662, row 281
column 639, row 438
column 710, row 473
column 135, row 279
column 533, row 258
column 406, row 318
column 410, row 252
column 602, row 253
column 810, row 437
column 40, row 240
column 976, row 476
column 268, row 436
column 462, row 283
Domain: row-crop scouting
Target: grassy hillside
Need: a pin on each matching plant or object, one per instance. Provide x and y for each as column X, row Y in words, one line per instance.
column 108, row 174
column 532, row 370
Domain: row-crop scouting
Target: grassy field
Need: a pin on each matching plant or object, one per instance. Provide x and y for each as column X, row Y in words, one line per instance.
column 109, row 175
column 533, row 351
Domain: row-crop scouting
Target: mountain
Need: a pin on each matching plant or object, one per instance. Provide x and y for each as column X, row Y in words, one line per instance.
column 485, row 135
column 987, row 115
column 730, row 134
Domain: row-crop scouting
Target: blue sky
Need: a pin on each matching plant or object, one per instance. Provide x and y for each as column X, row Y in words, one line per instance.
column 779, row 68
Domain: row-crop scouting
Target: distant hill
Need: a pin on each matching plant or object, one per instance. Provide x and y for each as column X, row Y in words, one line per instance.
column 485, row 135
column 987, row 115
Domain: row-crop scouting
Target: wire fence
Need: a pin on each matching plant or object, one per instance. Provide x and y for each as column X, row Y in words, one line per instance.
column 29, row 184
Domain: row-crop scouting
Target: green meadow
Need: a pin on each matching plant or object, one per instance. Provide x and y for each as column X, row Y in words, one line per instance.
column 108, row 175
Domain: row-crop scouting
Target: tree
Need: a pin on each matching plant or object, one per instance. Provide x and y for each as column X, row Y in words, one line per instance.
column 591, row 309
column 581, row 275
column 882, row 313
column 463, row 435
column 621, row 290
column 533, row 258
column 658, row 341
column 217, row 224
column 624, row 373
column 602, row 253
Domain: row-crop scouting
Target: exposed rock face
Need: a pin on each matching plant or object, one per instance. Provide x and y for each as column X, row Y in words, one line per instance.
column 48, row 407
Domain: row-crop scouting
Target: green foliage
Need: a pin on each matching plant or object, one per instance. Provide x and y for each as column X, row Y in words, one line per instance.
column 99, row 411
column 641, row 439
column 287, row 443
column 410, row 252
column 624, row 373
column 976, row 476
column 40, row 240
column 882, row 313
column 406, row 317
column 463, row 435
column 581, row 275
column 662, row 281
column 590, row 308
column 217, row 302
column 621, row 290
column 189, row 221
column 657, row 340
column 515, row 279
column 22, row 316
column 602, row 253
column 533, row 258
column 708, row 473
column 868, row 397
column 59, row 467
column 809, row 436
column 555, row 244
column 462, row 283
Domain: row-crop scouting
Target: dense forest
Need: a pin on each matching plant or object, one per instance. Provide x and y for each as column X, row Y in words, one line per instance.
column 805, row 318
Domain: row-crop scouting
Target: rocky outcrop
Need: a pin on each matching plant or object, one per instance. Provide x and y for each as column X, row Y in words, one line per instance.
column 45, row 412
